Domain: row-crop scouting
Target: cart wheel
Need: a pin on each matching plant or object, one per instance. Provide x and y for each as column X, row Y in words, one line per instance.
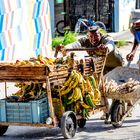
column 3, row 129
column 81, row 123
column 68, row 124
column 117, row 113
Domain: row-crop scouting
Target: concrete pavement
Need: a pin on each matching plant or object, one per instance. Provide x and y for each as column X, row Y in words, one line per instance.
column 124, row 35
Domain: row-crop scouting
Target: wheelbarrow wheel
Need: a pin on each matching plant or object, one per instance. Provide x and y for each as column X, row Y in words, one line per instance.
column 3, row 129
column 117, row 113
column 81, row 123
column 68, row 124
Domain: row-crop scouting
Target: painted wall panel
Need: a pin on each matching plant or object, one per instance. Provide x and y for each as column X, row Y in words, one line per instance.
column 25, row 29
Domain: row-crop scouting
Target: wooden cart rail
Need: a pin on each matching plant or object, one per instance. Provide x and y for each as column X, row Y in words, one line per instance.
column 60, row 76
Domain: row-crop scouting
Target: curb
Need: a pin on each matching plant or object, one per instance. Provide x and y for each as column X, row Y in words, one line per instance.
column 128, row 41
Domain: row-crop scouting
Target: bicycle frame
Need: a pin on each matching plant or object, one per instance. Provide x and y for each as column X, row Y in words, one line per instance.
column 83, row 24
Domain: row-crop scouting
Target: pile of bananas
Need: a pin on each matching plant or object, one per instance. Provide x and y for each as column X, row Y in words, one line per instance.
column 82, row 91
column 28, row 91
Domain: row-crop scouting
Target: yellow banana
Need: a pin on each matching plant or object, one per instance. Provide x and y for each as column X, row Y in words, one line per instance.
column 89, row 86
column 74, row 81
column 31, row 93
column 78, row 106
column 72, row 95
column 97, row 94
column 81, row 83
column 24, row 87
column 89, row 101
column 69, row 79
column 81, row 78
column 18, row 93
column 96, row 101
column 65, row 91
column 91, row 94
column 85, row 105
column 93, row 81
column 72, row 84
column 78, row 94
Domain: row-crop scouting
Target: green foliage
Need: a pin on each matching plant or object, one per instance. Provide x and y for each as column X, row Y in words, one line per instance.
column 68, row 38
column 56, row 41
column 121, row 43
column 102, row 31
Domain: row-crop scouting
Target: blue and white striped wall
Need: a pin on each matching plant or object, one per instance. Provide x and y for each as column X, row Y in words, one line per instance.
column 25, row 29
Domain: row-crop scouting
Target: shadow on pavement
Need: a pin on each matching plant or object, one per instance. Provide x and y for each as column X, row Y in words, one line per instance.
column 132, row 121
column 33, row 134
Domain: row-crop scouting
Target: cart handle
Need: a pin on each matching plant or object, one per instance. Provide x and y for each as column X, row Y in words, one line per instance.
column 79, row 49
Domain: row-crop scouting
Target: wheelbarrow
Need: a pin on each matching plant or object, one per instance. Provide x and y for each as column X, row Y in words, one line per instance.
column 121, row 75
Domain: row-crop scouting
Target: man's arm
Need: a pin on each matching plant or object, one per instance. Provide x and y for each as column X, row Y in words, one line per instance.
column 130, row 56
column 78, row 44
column 110, row 45
column 106, row 44
column 73, row 45
column 135, row 46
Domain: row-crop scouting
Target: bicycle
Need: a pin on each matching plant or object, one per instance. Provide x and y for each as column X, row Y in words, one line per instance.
column 62, row 28
column 78, row 23
column 83, row 24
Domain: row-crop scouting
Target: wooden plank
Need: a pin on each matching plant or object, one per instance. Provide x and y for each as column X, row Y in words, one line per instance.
column 54, row 74
column 23, row 79
column 22, row 73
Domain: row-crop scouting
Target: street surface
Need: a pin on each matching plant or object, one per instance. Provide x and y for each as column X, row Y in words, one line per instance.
column 95, row 128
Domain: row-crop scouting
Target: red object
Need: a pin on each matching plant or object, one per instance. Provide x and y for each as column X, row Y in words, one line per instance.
column 136, row 24
column 42, row 62
column 17, row 61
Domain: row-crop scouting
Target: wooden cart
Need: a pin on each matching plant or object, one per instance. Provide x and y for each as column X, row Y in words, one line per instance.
column 118, row 110
column 48, row 75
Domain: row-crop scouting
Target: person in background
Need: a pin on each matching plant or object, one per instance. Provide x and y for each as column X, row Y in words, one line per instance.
column 135, row 30
column 102, row 43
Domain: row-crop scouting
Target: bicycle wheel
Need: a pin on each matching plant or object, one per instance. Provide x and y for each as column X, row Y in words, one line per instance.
column 60, row 27
column 101, row 24
column 77, row 27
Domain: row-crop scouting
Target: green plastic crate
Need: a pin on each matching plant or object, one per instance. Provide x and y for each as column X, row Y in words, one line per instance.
column 31, row 112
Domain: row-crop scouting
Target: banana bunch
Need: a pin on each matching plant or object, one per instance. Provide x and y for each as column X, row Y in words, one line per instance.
column 97, row 96
column 89, row 101
column 76, row 95
column 73, row 81
column 81, row 91
column 94, row 91
column 29, row 90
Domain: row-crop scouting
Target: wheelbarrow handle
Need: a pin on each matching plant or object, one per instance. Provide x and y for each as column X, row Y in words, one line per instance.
column 128, row 64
